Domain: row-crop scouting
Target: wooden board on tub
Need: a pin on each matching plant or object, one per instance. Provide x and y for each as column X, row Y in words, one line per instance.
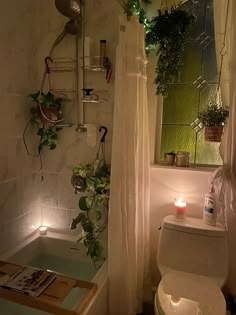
column 52, row 296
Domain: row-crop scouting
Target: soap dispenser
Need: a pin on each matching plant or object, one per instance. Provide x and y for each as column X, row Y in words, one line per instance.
column 209, row 208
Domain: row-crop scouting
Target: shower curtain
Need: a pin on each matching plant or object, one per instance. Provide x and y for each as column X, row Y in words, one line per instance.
column 128, row 256
column 224, row 178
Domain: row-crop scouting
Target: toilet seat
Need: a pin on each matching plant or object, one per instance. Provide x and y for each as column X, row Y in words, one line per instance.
column 182, row 293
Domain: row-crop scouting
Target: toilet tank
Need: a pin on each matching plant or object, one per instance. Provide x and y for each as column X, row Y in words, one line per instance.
column 194, row 247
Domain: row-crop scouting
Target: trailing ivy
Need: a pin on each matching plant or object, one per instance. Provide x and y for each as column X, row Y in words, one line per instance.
column 94, row 206
column 169, row 30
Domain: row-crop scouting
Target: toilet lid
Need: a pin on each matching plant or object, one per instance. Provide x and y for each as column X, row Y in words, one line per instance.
column 182, row 293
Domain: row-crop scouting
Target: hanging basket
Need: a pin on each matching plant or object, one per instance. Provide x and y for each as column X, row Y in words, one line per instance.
column 52, row 113
column 213, row 133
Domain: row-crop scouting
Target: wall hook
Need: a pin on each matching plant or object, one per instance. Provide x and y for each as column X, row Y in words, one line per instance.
column 104, row 134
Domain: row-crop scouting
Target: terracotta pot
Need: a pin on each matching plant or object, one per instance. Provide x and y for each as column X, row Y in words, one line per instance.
column 213, row 133
column 52, row 113
column 170, row 159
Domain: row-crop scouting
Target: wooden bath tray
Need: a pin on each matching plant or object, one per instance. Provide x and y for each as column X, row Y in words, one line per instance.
column 51, row 298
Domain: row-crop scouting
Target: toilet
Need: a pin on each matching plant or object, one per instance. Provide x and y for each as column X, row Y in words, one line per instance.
column 193, row 261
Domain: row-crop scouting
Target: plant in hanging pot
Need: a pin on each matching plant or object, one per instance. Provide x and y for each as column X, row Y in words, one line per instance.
column 48, row 106
column 213, row 119
column 45, row 112
column 168, row 30
column 94, row 205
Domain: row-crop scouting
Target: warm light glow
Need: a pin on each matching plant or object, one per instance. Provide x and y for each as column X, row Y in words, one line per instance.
column 43, row 230
column 180, row 203
column 180, row 206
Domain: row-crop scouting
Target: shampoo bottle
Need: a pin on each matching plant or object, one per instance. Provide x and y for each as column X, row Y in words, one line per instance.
column 209, row 208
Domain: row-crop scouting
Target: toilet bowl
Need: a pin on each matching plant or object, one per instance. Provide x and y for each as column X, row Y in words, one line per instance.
column 192, row 258
column 181, row 293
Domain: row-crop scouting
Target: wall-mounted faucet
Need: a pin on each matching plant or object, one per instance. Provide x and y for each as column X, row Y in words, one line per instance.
column 76, row 221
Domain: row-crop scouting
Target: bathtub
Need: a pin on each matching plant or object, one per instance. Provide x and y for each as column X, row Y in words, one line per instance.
column 58, row 252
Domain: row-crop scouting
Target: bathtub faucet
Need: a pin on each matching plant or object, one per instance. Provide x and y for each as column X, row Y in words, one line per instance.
column 76, row 221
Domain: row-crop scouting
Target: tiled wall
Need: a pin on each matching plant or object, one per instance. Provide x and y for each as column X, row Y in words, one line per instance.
column 59, row 203
column 19, row 184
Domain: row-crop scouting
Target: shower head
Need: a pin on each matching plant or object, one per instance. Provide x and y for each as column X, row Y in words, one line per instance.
column 69, row 8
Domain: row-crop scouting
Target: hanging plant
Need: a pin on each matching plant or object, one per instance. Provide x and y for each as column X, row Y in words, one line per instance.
column 94, row 205
column 213, row 118
column 45, row 112
column 168, row 30
column 136, row 7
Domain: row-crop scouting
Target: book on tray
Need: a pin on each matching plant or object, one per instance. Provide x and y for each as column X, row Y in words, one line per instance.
column 30, row 281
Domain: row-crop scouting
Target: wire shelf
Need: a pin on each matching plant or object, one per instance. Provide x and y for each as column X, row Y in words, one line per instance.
column 87, row 100
column 94, row 63
column 96, row 96
column 63, row 65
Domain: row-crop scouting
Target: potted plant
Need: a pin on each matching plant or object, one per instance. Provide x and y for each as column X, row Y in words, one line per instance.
column 170, row 157
column 48, row 106
column 169, row 30
column 213, row 119
column 45, row 112
column 94, row 205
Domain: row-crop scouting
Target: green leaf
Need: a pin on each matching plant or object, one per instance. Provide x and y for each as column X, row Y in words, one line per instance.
column 41, row 132
column 52, row 146
column 45, row 142
column 83, row 204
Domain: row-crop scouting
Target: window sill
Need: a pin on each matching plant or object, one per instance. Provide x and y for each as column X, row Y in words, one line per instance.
column 191, row 167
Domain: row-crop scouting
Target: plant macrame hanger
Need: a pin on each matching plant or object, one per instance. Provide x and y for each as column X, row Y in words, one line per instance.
column 218, row 98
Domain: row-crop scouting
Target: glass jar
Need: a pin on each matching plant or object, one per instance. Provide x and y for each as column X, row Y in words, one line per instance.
column 182, row 158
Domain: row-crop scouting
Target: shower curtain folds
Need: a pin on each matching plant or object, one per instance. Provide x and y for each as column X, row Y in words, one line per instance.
column 129, row 203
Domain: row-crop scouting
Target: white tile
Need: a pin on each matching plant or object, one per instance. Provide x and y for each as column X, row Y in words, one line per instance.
column 67, row 199
column 8, row 201
column 50, row 217
column 49, row 189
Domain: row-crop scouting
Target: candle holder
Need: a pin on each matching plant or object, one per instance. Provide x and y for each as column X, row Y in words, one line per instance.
column 43, row 230
column 180, row 209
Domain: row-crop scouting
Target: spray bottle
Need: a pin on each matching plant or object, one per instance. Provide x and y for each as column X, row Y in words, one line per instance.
column 209, row 208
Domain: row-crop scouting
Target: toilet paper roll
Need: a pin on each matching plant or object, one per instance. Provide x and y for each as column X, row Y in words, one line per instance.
column 91, row 135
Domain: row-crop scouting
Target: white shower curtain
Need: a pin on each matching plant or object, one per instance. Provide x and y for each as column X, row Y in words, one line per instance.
column 128, row 256
column 224, row 178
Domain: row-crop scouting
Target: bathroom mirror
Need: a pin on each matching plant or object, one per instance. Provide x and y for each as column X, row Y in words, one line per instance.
column 173, row 120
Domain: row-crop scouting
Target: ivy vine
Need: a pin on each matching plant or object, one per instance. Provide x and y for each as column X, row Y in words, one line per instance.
column 168, row 31
column 94, row 206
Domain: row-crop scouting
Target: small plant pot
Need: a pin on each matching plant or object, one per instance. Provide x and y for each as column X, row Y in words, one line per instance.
column 52, row 113
column 170, row 159
column 213, row 133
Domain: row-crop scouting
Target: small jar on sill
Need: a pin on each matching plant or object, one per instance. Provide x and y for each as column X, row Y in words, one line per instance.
column 182, row 159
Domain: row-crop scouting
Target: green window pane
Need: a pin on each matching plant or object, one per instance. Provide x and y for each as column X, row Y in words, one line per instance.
column 206, row 95
column 178, row 138
column 209, row 63
column 198, row 9
column 209, row 18
column 207, row 152
column 192, row 63
column 181, row 105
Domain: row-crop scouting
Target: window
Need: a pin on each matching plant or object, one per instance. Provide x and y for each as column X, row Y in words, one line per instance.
column 192, row 91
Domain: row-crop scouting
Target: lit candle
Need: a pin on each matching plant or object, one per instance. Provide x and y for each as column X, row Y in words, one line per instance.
column 43, row 230
column 180, row 206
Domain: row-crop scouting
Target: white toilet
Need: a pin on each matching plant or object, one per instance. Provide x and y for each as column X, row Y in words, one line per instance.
column 193, row 262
